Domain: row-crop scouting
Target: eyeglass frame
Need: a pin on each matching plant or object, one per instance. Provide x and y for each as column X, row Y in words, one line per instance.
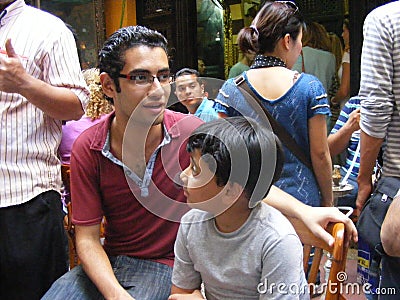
column 148, row 81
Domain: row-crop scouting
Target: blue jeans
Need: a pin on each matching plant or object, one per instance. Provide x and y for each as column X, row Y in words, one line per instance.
column 390, row 279
column 143, row 279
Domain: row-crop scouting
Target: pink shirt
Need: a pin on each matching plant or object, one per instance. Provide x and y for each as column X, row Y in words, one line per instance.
column 70, row 131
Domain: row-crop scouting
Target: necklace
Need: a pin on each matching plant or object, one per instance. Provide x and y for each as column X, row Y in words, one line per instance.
column 262, row 61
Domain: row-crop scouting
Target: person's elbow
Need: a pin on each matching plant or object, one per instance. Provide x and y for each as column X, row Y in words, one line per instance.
column 320, row 154
column 332, row 146
column 73, row 109
column 390, row 243
column 77, row 113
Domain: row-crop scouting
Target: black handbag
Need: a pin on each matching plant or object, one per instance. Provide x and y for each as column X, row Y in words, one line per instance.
column 374, row 211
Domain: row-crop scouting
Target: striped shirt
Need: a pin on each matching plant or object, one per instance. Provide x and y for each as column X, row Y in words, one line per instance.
column 29, row 138
column 380, row 82
column 349, row 107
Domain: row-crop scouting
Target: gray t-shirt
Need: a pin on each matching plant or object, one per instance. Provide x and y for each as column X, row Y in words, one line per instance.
column 263, row 255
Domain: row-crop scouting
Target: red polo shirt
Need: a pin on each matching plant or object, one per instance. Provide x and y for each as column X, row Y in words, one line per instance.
column 136, row 226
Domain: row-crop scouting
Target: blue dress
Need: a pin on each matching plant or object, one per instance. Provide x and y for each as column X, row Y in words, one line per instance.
column 305, row 99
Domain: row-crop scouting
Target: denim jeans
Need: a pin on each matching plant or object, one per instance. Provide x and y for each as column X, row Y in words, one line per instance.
column 143, row 279
column 390, row 279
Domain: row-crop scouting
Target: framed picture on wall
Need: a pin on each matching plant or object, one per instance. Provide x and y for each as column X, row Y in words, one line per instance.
column 86, row 20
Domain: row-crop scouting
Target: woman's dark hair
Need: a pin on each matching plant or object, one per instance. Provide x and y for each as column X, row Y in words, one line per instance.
column 273, row 21
column 237, row 144
column 112, row 55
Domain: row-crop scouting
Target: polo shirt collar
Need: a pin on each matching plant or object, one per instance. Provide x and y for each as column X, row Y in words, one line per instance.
column 100, row 135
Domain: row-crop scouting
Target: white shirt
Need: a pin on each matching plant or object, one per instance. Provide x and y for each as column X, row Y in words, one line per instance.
column 29, row 138
column 345, row 59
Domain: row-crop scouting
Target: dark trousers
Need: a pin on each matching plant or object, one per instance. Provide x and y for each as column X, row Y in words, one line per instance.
column 390, row 278
column 32, row 247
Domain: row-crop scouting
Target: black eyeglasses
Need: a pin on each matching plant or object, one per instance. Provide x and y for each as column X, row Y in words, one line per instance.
column 290, row 4
column 147, row 78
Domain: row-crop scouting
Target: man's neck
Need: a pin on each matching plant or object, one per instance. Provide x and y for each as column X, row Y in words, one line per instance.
column 143, row 142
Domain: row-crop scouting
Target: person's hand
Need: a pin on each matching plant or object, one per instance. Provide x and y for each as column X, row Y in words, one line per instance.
column 196, row 295
column 353, row 123
column 318, row 218
column 12, row 74
column 364, row 192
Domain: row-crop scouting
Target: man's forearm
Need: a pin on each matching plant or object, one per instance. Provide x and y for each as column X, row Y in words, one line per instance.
column 339, row 141
column 96, row 263
column 369, row 150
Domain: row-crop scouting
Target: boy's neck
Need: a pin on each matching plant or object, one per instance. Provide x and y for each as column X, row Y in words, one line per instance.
column 234, row 217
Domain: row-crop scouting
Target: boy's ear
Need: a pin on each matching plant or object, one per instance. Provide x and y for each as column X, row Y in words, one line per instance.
column 107, row 85
column 232, row 192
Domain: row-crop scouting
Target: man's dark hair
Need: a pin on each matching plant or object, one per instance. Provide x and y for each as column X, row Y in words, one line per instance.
column 112, row 55
column 228, row 141
column 188, row 71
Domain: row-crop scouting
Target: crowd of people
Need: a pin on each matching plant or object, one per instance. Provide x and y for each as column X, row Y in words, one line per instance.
column 179, row 191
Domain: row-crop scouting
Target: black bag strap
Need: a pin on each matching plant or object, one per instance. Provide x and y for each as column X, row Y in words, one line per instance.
column 279, row 130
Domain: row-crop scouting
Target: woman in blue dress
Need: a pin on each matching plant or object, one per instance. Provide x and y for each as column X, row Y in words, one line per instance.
column 297, row 101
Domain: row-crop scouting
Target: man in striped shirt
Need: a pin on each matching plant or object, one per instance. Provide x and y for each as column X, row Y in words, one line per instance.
column 40, row 85
column 345, row 136
column 380, row 118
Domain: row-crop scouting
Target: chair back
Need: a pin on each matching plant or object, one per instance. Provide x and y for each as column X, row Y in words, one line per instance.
column 338, row 255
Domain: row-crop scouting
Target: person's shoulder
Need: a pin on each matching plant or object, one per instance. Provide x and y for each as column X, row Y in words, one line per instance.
column 50, row 25
column 307, row 50
column 237, row 65
column 92, row 132
column 273, row 219
column 388, row 10
column 43, row 16
column 185, row 122
column 195, row 216
column 308, row 79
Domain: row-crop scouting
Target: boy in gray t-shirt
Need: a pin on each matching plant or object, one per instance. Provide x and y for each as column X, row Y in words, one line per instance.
column 238, row 246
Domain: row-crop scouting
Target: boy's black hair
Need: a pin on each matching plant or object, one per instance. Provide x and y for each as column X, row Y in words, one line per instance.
column 237, row 144
column 112, row 55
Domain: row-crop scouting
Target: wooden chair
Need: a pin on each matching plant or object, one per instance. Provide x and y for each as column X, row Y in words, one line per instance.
column 338, row 252
column 69, row 227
